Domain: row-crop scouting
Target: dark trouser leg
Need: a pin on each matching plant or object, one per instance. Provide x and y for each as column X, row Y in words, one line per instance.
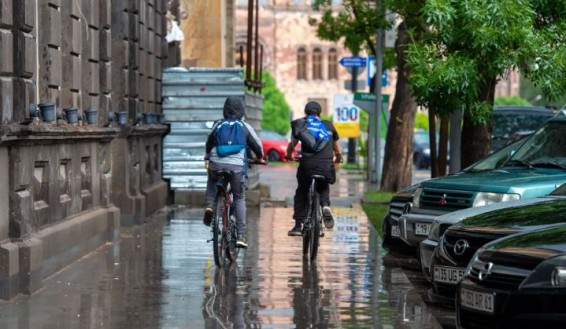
column 301, row 195
column 238, row 191
column 210, row 195
column 323, row 189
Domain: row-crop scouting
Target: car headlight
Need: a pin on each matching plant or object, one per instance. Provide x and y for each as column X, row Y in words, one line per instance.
column 549, row 274
column 417, row 196
column 426, row 151
column 486, row 198
column 434, row 234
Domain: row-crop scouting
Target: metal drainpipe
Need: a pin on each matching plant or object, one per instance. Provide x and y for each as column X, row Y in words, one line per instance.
column 36, row 54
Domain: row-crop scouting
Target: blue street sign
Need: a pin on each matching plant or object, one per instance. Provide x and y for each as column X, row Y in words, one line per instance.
column 353, row 61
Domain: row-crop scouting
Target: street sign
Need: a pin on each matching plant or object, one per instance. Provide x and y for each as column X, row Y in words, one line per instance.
column 353, row 61
column 366, row 101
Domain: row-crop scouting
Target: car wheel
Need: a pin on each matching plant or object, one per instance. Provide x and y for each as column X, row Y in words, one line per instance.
column 272, row 155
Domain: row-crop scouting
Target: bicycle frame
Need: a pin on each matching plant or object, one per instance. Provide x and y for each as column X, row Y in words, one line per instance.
column 224, row 223
column 313, row 222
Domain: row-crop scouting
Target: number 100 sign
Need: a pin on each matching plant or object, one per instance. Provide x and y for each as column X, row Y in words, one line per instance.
column 347, row 114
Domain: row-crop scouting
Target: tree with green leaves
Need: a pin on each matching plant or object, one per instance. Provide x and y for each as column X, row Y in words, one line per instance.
column 356, row 24
column 469, row 45
column 276, row 111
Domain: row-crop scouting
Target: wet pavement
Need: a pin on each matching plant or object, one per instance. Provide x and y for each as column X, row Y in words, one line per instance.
column 162, row 275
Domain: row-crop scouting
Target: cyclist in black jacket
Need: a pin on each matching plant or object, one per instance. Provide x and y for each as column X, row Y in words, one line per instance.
column 320, row 163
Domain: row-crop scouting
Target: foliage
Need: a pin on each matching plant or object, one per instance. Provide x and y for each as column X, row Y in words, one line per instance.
column 421, row 121
column 535, row 96
column 376, row 208
column 471, row 43
column 276, row 110
column 511, row 100
column 355, row 26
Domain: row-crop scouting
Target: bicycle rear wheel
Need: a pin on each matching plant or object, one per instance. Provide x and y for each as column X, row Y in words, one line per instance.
column 218, row 231
column 315, row 227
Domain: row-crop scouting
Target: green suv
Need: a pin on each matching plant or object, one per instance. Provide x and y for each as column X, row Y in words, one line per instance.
column 535, row 169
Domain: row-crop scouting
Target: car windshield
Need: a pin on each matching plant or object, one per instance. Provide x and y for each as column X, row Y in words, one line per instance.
column 271, row 135
column 546, row 148
column 497, row 158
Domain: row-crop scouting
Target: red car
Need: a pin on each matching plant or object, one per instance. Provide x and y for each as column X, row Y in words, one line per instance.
column 275, row 145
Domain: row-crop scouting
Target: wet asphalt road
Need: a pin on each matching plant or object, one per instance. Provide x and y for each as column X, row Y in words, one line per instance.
column 162, row 275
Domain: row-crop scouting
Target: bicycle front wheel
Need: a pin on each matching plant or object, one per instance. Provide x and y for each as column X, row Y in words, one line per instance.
column 217, row 230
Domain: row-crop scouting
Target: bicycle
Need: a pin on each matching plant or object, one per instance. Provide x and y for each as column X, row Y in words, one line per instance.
column 312, row 225
column 224, row 230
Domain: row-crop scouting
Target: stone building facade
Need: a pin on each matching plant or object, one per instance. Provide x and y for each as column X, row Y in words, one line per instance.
column 304, row 66
column 71, row 173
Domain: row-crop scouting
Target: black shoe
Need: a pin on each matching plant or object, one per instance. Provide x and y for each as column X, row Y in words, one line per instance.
column 207, row 216
column 328, row 217
column 296, row 231
column 242, row 241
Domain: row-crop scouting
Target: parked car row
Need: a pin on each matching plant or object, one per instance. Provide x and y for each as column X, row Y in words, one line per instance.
column 492, row 239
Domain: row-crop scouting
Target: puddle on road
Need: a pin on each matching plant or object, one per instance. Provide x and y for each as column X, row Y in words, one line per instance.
column 162, row 276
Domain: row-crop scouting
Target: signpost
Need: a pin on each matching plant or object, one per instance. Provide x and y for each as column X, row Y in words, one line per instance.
column 368, row 102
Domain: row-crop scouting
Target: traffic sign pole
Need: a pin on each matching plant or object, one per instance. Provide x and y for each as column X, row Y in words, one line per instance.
column 376, row 179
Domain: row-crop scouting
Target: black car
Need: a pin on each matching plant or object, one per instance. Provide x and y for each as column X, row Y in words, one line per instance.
column 516, row 282
column 397, row 206
column 512, row 119
column 421, row 149
column 462, row 240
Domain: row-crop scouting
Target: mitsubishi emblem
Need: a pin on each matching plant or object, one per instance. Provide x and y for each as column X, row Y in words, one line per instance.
column 460, row 247
column 485, row 271
column 442, row 199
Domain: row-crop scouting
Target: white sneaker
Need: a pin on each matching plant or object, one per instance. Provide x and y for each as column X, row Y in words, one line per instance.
column 328, row 217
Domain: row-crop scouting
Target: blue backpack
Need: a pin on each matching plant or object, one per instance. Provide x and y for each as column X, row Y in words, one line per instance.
column 312, row 133
column 230, row 137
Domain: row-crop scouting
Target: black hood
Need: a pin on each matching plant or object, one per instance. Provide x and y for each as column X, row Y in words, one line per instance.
column 234, row 108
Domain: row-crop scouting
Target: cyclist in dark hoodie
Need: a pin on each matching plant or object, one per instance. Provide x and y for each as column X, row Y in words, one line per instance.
column 233, row 109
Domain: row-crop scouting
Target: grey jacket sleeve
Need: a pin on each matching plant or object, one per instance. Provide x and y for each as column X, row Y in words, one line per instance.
column 253, row 141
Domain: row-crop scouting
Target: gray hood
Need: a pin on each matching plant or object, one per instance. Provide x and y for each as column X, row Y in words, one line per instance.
column 234, row 108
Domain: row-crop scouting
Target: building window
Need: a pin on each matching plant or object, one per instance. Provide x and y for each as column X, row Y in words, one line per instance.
column 301, row 64
column 317, row 64
column 332, row 64
column 323, row 104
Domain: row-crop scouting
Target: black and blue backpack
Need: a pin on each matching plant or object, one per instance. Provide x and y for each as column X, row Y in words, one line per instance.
column 230, row 137
column 312, row 133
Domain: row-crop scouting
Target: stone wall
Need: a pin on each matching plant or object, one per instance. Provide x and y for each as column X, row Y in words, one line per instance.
column 68, row 185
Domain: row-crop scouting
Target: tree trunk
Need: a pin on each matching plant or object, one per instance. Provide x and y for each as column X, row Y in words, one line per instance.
column 398, row 158
column 432, row 143
column 477, row 135
column 443, row 145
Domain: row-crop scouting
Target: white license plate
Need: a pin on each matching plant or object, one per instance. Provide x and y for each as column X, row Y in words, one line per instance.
column 477, row 300
column 422, row 229
column 450, row 275
column 395, row 231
